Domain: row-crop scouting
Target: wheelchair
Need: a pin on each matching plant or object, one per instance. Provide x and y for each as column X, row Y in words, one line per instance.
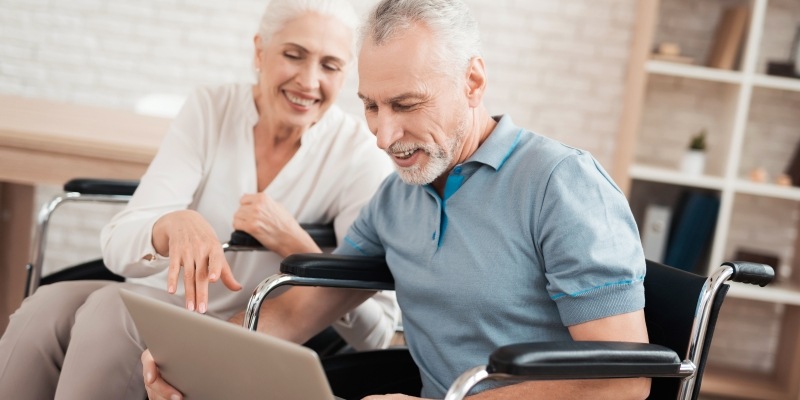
column 120, row 191
column 681, row 312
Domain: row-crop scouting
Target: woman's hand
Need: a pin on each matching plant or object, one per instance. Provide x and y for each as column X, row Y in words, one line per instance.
column 272, row 225
column 157, row 388
column 190, row 242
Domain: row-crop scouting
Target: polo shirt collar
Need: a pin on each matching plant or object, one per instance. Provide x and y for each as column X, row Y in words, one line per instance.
column 496, row 149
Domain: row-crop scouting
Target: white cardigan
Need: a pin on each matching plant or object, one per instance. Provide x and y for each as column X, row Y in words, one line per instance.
column 207, row 162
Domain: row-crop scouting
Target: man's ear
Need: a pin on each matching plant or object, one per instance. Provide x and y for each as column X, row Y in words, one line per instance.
column 257, row 54
column 476, row 81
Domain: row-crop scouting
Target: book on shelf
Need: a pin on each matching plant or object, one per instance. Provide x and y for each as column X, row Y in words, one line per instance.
column 655, row 231
column 729, row 37
column 692, row 229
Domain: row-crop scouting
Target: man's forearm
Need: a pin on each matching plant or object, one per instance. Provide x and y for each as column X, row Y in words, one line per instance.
column 302, row 312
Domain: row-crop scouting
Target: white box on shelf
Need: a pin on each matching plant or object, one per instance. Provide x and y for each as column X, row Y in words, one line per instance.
column 655, row 231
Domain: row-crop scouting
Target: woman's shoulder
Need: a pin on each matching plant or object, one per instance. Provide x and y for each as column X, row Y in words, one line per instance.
column 339, row 125
column 224, row 95
column 345, row 138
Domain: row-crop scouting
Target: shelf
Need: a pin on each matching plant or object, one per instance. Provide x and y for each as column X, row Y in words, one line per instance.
column 767, row 189
column 776, row 82
column 751, row 115
column 693, row 72
column 671, row 176
column 776, row 293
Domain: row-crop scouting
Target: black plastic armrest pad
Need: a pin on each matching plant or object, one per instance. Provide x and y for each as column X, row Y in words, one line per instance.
column 322, row 234
column 753, row 273
column 102, row 186
column 244, row 239
column 332, row 266
column 584, row 360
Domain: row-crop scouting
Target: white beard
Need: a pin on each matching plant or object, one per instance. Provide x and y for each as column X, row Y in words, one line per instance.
column 439, row 158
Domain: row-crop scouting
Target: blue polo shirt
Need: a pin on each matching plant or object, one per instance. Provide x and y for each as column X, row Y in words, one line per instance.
column 531, row 236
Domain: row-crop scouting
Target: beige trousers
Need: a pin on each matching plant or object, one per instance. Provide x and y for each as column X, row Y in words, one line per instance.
column 74, row 340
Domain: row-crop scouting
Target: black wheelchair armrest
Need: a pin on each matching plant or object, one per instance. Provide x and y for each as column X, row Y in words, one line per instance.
column 338, row 267
column 325, row 270
column 584, row 360
column 322, row 234
column 116, row 187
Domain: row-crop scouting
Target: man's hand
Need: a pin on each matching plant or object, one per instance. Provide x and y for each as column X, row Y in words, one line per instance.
column 395, row 396
column 157, row 388
column 191, row 244
column 272, row 225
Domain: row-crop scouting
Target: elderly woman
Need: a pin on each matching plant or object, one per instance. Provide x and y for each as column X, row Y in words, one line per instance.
column 257, row 158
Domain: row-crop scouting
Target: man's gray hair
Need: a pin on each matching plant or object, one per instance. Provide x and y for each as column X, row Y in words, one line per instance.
column 279, row 12
column 451, row 22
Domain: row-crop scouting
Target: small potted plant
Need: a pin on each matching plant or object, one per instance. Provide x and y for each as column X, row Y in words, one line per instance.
column 694, row 160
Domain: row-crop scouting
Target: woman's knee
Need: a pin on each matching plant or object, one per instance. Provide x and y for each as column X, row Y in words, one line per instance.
column 57, row 302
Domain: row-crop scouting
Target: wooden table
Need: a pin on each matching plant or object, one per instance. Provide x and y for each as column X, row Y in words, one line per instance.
column 45, row 142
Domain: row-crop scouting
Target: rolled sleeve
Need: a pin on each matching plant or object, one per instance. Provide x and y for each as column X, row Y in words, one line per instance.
column 594, row 262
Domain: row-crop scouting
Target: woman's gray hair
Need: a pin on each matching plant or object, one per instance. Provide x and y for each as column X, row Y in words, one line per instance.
column 451, row 22
column 279, row 12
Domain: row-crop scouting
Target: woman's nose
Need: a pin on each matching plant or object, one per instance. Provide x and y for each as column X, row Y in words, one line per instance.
column 308, row 77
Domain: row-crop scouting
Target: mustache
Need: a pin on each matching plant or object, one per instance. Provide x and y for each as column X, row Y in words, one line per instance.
column 403, row 147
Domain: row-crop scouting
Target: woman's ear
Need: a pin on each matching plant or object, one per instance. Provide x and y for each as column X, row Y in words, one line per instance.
column 257, row 52
column 476, row 81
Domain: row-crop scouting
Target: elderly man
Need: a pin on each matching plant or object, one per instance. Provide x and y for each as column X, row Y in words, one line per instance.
column 493, row 233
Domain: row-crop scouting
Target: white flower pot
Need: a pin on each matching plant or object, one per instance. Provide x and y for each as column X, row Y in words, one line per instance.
column 693, row 162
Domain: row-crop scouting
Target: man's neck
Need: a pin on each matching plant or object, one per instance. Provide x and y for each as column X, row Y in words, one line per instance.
column 480, row 129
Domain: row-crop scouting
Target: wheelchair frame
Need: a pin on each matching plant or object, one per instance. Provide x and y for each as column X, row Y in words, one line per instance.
column 627, row 360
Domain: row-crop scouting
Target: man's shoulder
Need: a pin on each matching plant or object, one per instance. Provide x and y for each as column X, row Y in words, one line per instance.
column 541, row 153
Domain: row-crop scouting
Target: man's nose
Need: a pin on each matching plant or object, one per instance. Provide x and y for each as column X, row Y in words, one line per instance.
column 387, row 129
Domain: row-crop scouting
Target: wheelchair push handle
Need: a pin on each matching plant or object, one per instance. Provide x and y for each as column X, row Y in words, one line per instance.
column 242, row 238
column 102, row 186
column 322, row 234
column 752, row 273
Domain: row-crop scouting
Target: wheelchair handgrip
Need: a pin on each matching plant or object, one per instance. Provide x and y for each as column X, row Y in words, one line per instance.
column 243, row 239
column 333, row 266
column 322, row 234
column 102, row 186
column 584, row 359
column 753, row 273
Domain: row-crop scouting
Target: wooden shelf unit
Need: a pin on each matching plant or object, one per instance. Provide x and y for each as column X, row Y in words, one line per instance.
column 654, row 130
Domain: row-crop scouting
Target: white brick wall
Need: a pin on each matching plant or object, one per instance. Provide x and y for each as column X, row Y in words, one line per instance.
column 772, row 135
column 678, row 108
column 556, row 67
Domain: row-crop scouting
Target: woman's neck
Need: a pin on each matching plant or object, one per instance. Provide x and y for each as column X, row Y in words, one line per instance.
column 275, row 143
